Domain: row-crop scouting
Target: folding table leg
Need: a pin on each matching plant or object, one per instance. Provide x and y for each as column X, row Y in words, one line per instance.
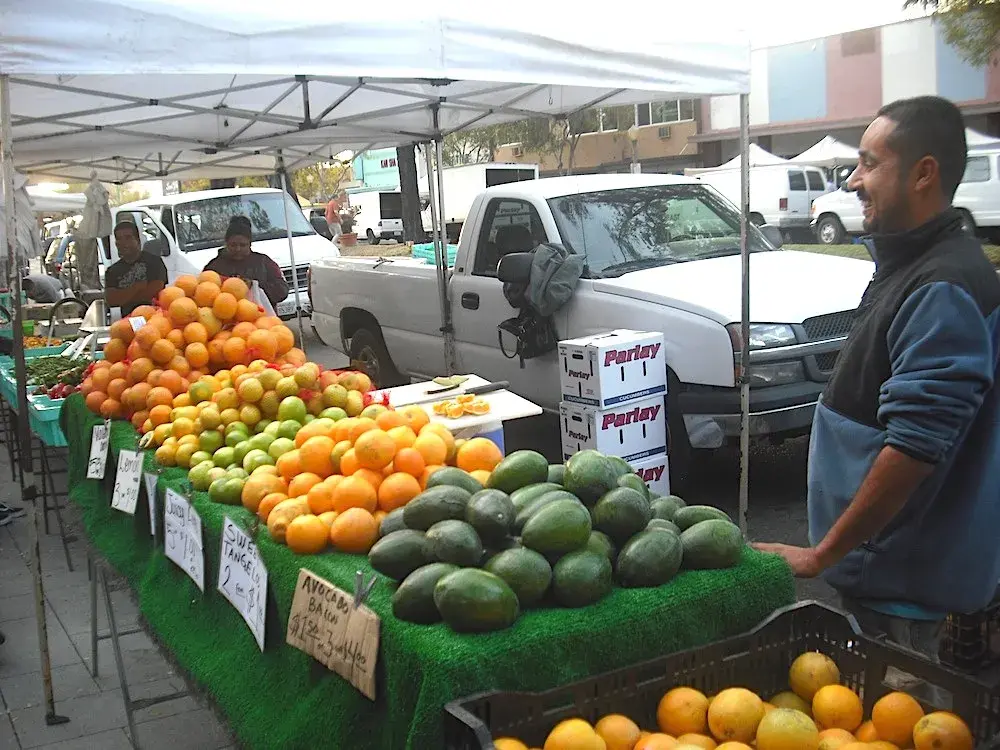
column 118, row 659
column 47, row 478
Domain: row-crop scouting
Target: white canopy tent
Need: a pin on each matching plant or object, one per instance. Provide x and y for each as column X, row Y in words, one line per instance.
column 758, row 157
column 828, row 152
column 975, row 140
column 48, row 202
column 170, row 87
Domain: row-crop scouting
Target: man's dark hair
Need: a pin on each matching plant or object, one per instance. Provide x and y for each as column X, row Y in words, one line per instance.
column 929, row 126
column 128, row 226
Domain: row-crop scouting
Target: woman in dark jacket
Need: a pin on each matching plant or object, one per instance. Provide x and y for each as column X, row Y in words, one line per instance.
column 237, row 259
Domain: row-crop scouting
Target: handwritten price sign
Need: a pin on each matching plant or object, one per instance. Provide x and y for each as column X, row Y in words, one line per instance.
column 99, row 439
column 182, row 541
column 243, row 578
column 325, row 623
column 127, row 479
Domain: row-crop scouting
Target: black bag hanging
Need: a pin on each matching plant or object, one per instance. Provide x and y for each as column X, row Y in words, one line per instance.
column 535, row 335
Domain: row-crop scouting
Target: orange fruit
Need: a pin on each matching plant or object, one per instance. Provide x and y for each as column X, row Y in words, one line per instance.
column 572, row 734
column 428, row 473
column 169, row 295
column 409, row 460
column 187, row 283
column 733, row 746
column 176, row 337
column 837, row 707
column 373, row 477
column 787, row 729
column 389, row 419
column 894, row 717
column 247, row 311
column 313, row 429
column 354, row 530
column 224, row 307
column 315, row 455
column 262, row 344
column 139, row 370
column 478, row 454
column 243, row 330
column 122, row 329
column 417, row 416
column 268, row 321
column 320, row 496
column 866, row 732
column 235, row 350
column 509, row 743
column 942, row 730
column 302, row 483
column 258, row 487
column 694, row 739
column 307, row 535
column 285, row 338
column 111, row 408
column 267, row 504
column 94, row 401
column 195, row 333
column 656, row 741
column 397, row 490
column 788, row 699
column 118, row 370
column 403, row 436
column 159, row 396
column 359, row 427
column 172, row 381
column 432, row 448
column 734, row 715
column 197, row 354
column 210, row 276
column 162, row 351
column 236, row 287
column 288, row 465
column 618, row 732
column 205, row 293
column 183, row 311
column 811, row 671
column 137, row 396
column 159, row 414
column 682, row 710
column 139, row 419
column 100, row 378
column 208, row 319
column 216, row 352
column 445, row 434
column 349, row 463
column 179, row 364
column 116, row 388
column 833, row 739
column 354, row 492
column 374, row 449
column 115, row 350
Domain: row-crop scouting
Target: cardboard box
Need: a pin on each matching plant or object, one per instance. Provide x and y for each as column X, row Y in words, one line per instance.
column 655, row 472
column 608, row 369
column 632, row 431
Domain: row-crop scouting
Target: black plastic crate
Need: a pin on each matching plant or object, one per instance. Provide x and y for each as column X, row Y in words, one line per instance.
column 971, row 642
column 758, row 660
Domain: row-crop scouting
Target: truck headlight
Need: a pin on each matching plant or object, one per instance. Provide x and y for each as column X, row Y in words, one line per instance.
column 775, row 373
column 762, row 335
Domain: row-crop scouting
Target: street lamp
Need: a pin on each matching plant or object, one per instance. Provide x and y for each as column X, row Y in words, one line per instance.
column 633, row 136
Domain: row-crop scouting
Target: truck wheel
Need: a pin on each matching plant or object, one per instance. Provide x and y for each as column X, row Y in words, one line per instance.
column 968, row 223
column 372, row 239
column 369, row 353
column 678, row 443
column 829, row 231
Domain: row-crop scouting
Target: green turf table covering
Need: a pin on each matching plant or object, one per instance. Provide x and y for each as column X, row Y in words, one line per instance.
column 283, row 698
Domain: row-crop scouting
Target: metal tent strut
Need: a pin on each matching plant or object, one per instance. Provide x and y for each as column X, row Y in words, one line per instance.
column 744, row 382
column 280, row 168
column 23, row 433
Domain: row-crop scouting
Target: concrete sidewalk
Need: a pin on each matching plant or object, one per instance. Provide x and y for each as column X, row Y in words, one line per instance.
column 94, row 706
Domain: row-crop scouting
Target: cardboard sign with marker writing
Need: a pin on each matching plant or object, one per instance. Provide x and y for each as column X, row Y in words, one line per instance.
column 182, row 541
column 127, row 478
column 99, row 440
column 243, row 577
column 137, row 322
column 325, row 623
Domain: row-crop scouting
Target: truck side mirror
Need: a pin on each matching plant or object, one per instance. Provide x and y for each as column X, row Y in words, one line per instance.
column 320, row 225
column 514, row 268
column 773, row 235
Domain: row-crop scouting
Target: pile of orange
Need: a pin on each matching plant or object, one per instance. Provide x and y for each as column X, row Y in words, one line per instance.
column 818, row 713
column 345, row 476
column 199, row 325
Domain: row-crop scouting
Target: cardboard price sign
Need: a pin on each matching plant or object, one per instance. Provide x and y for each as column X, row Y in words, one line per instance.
column 182, row 541
column 99, row 440
column 137, row 322
column 127, row 479
column 243, row 577
column 336, row 629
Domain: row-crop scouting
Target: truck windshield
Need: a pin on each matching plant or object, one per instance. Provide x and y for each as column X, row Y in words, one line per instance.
column 655, row 225
column 201, row 224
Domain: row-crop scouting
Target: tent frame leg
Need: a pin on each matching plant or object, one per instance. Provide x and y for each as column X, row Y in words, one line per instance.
column 744, row 383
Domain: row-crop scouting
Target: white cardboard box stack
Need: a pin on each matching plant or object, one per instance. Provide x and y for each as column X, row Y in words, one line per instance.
column 614, row 386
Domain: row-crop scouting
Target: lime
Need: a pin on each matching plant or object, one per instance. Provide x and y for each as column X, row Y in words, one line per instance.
column 272, row 429
column 287, row 387
column 223, row 456
column 333, row 412
column 309, row 418
column 260, row 442
column 256, row 458
column 237, row 427
column 235, row 438
column 250, row 390
column 237, row 471
column 292, row 407
column 280, row 447
column 250, row 415
column 226, row 490
column 215, row 472
column 211, row 440
column 199, row 475
column 335, row 395
column 289, row 428
column 240, row 452
column 269, row 379
column 201, row 456
column 373, row 410
column 262, row 425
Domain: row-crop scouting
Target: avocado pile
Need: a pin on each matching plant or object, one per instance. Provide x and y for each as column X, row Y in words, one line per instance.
column 538, row 535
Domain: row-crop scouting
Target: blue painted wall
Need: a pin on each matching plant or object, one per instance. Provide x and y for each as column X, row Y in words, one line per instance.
column 377, row 169
column 956, row 79
column 797, row 81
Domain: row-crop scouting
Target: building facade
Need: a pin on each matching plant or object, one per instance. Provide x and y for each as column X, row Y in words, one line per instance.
column 376, row 169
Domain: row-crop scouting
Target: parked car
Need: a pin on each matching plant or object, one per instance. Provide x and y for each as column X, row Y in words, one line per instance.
column 380, row 214
column 837, row 217
column 188, row 229
column 663, row 254
column 56, row 254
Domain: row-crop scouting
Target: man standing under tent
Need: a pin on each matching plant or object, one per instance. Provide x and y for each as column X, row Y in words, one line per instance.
column 904, row 461
column 137, row 277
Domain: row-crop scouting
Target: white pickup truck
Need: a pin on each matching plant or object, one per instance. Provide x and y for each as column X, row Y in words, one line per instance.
column 662, row 254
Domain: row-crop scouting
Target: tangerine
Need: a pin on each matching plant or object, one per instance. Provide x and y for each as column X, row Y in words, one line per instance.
column 302, row 482
column 349, row 463
column 359, row 427
column 320, row 496
column 212, row 276
column 235, row 350
column 180, row 365
column 159, row 396
column 894, row 717
column 162, row 352
column 288, row 465
column 139, row 370
column 267, row 504
column 315, row 455
column 187, row 283
column 397, row 490
column 285, row 338
column 428, row 473
column 197, row 354
column 147, row 336
column 116, row 388
column 159, row 414
column 374, row 449
column 137, row 396
column 259, row 486
column 115, row 350
column 195, row 333
column 235, row 286
column 354, row 530
column 122, row 329
column 167, row 296
column 262, row 344
column 94, row 400
column 373, row 477
column 143, row 311
column 432, row 448
column 478, row 454
column 205, row 293
column 307, row 535
column 111, row 408
column 183, row 311
column 173, row 382
column 162, row 323
column 224, row 306
column 247, row 311
column 354, row 492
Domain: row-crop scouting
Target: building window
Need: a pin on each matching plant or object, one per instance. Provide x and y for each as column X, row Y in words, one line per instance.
column 663, row 113
column 858, row 43
column 605, row 120
column 977, row 169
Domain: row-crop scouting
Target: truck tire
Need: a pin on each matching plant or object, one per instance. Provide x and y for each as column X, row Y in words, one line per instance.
column 678, row 443
column 369, row 353
column 968, row 223
column 372, row 239
column 829, row 231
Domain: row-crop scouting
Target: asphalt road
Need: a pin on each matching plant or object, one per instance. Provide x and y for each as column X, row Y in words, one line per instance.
column 777, row 504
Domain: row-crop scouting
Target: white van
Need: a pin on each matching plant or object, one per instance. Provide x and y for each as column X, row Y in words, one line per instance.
column 380, row 216
column 780, row 195
column 188, row 229
column 838, row 215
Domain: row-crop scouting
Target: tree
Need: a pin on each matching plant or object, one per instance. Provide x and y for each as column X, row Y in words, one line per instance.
column 972, row 27
column 413, row 223
column 121, row 195
column 318, row 182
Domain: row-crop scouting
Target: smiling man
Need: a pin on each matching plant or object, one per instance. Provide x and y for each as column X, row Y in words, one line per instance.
column 904, row 460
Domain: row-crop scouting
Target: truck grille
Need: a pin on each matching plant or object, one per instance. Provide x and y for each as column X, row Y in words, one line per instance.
column 827, row 362
column 301, row 275
column 829, row 326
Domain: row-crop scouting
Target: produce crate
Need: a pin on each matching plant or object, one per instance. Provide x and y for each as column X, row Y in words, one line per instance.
column 971, row 642
column 758, row 660
column 44, row 421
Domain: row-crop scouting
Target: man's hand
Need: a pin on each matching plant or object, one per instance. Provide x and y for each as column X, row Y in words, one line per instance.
column 804, row 561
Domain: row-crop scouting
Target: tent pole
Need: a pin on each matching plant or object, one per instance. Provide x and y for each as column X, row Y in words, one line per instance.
column 291, row 251
column 446, row 327
column 28, row 491
column 745, row 311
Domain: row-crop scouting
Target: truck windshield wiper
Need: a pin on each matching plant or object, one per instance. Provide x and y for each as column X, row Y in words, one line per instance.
column 638, row 264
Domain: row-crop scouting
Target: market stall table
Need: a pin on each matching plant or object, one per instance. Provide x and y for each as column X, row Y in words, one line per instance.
column 284, row 698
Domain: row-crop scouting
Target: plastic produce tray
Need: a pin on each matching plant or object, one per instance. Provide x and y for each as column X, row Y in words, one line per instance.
column 43, row 417
column 758, row 660
column 971, row 642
